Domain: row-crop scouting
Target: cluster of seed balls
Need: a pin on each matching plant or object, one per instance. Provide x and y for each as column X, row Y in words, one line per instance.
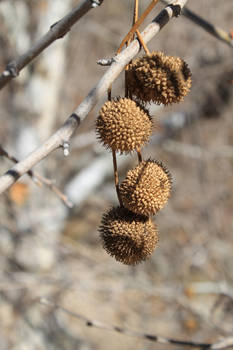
column 123, row 125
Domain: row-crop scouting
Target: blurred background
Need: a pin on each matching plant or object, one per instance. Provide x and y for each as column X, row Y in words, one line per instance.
column 185, row 290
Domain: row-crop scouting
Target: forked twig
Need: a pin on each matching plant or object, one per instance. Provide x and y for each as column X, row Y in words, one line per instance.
column 224, row 343
column 135, row 19
column 137, row 24
column 5, row 154
column 39, row 179
column 57, row 31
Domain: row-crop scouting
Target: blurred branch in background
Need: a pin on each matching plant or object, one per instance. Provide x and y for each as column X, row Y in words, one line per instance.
column 57, row 31
column 63, row 135
column 39, row 179
column 224, row 343
column 217, row 32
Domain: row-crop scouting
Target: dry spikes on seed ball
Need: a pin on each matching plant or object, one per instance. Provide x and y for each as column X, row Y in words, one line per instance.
column 146, row 188
column 123, row 125
column 128, row 237
column 159, row 78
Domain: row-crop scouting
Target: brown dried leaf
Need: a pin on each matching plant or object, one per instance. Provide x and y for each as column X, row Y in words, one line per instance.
column 19, row 193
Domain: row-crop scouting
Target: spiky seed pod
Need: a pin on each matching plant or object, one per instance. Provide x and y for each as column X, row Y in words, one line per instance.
column 130, row 238
column 146, row 188
column 159, row 78
column 123, row 125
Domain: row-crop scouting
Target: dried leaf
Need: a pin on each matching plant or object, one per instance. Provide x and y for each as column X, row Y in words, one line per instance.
column 19, row 193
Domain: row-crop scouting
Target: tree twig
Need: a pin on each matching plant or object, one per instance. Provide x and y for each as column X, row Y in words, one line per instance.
column 54, row 188
column 56, row 31
column 217, row 32
column 66, row 131
column 39, row 179
column 5, row 154
column 224, row 343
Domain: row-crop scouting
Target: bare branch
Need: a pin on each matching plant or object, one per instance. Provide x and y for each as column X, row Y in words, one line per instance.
column 5, row 154
column 72, row 123
column 224, row 343
column 210, row 28
column 54, row 188
column 57, row 31
column 39, row 179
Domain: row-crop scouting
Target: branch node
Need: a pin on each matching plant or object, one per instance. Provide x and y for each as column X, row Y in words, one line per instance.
column 11, row 70
column 54, row 24
column 66, row 148
column 96, row 3
column 105, row 61
column 6, row 73
column 176, row 9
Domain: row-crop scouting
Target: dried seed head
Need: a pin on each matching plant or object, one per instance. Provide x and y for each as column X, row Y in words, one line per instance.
column 123, row 125
column 159, row 78
column 146, row 188
column 130, row 238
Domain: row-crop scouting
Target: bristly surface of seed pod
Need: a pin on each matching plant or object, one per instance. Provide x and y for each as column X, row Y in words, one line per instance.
column 130, row 238
column 159, row 78
column 123, row 125
column 146, row 188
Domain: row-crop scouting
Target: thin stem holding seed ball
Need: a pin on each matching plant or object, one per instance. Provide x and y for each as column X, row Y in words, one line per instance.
column 135, row 16
column 116, row 177
column 110, row 93
column 137, row 24
column 126, row 82
column 142, row 42
column 137, row 31
column 139, row 155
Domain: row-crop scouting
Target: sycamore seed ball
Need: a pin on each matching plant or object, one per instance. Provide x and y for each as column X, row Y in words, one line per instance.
column 123, row 125
column 146, row 188
column 128, row 237
column 159, row 78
